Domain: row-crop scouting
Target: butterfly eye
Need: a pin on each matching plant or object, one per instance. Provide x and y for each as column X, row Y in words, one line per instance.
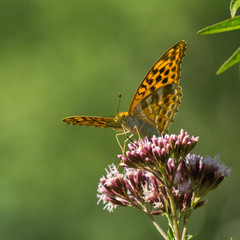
column 123, row 116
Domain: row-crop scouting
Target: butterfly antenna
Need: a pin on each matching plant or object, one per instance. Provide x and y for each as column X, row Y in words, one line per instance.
column 119, row 102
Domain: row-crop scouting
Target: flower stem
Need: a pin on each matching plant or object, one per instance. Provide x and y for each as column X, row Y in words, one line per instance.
column 158, row 227
column 185, row 222
column 184, row 232
column 174, row 216
column 173, row 207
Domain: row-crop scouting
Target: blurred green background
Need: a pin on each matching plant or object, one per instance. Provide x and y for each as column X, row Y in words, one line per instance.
column 63, row 58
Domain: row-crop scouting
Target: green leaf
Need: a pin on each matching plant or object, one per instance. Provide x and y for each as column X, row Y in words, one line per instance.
column 231, row 61
column 227, row 25
column 170, row 234
column 234, row 5
column 188, row 237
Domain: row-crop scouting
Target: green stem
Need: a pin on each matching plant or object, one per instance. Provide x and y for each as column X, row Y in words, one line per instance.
column 184, row 229
column 157, row 226
column 187, row 218
column 174, row 216
column 173, row 209
column 144, row 210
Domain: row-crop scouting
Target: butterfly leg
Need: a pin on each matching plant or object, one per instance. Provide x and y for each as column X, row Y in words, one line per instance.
column 120, row 134
column 124, row 144
column 140, row 139
column 125, row 141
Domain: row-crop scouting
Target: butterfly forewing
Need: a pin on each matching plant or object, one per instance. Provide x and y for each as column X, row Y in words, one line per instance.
column 93, row 121
column 164, row 72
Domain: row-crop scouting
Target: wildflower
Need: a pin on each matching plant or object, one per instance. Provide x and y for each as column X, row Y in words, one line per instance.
column 161, row 177
column 154, row 153
column 205, row 173
column 122, row 189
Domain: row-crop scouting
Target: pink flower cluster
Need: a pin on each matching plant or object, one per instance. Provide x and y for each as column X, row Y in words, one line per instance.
column 159, row 169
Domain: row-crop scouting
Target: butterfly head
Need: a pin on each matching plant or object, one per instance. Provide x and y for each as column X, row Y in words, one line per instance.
column 121, row 117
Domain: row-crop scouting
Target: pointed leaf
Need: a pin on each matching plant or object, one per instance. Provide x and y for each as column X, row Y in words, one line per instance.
column 234, row 5
column 231, row 61
column 170, row 234
column 227, row 25
column 189, row 237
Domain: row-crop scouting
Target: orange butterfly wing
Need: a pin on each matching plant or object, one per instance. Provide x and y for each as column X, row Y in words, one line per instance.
column 164, row 72
column 93, row 121
column 158, row 110
column 158, row 97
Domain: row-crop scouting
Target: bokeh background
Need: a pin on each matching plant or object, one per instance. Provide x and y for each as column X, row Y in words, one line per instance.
column 63, row 58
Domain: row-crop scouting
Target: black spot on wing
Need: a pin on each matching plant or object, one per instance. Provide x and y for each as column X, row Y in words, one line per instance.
column 166, row 100
column 169, row 114
column 166, row 73
column 162, row 70
column 173, row 106
column 165, row 80
column 158, row 78
column 144, row 86
column 149, row 81
column 164, row 111
column 152, row 88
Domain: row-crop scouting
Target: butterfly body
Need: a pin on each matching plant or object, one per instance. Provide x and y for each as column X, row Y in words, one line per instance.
column 155, row 102
column 142, row 125
column 128, row 123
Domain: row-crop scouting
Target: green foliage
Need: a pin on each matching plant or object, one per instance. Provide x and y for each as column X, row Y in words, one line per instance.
column 170, row 234
column 62, row 58
column 230, row 61
column 234, row 5
column 189, row 237
column 226, row 25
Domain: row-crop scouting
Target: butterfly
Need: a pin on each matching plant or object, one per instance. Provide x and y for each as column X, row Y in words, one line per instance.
column 155, row 102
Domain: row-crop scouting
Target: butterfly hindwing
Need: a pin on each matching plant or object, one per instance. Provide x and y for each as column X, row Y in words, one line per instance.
column 158, row 109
